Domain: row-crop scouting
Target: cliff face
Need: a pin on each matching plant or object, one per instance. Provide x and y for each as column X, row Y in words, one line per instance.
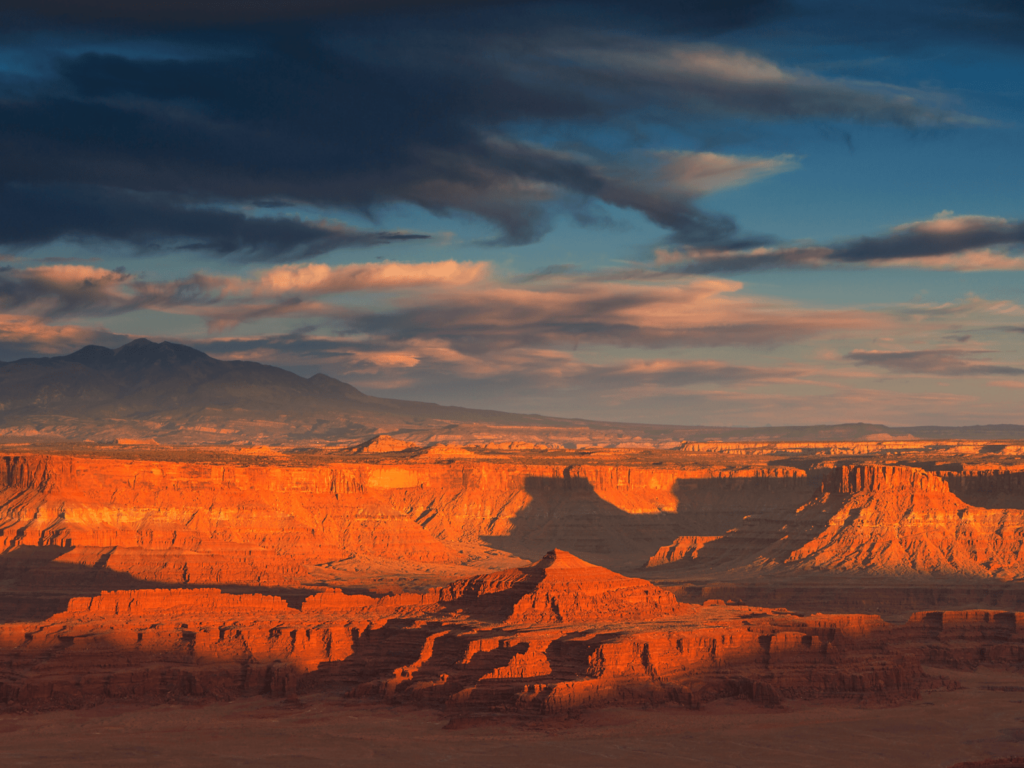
column 265, row 524
column 179, row 522
column 449, row 648
column 867, row 519
column 222, row 523
column 905, row 520
column 992, row 487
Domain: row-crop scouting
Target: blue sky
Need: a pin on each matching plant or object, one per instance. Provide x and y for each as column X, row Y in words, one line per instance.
column 734, row 213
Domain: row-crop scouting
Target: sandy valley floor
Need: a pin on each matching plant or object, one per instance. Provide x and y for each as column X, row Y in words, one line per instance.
column 975, row 723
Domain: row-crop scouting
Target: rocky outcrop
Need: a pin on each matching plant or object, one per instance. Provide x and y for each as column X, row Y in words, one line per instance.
column 683, row 547
column 202, row 523
column 561, row 588
column 384, row 444
column 269, row 519
column 993, row 487
column 869, row 444
column 503, row 641
column 257, row 520
column 904, row 520
column 884, row 520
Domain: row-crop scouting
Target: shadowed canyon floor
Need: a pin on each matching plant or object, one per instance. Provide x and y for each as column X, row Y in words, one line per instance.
column 713, row 580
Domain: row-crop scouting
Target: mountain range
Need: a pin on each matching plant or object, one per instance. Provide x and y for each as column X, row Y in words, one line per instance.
column 173, row 393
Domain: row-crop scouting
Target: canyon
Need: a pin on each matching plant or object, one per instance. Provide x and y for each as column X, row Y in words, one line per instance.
column 487, row 580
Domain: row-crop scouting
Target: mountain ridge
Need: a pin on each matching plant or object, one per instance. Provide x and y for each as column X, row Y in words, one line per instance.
column 174, row 393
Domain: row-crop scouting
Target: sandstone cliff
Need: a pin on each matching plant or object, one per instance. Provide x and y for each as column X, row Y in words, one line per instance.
column 266, row 523
column 877, row 519
column 553, row 651
column 904, row 520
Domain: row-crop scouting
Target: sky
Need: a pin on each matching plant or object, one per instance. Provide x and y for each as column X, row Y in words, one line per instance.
column 735, row 213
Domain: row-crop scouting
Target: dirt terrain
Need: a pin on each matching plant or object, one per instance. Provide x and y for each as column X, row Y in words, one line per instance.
column 979, row 724
column 488, row 580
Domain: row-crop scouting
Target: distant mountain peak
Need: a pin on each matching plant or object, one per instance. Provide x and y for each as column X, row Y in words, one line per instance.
column 172, row 392
column 144, row 349
column 136, row 344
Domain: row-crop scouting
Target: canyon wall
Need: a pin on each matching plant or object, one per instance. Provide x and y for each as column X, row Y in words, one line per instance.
column 520, row 640
column 272, row 524
column 255, row 524
column 881, row 520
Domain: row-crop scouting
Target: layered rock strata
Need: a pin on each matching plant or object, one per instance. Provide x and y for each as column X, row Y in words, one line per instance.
column 551, row 637
column 263, row 522
column 267, row 524
column 878, row 520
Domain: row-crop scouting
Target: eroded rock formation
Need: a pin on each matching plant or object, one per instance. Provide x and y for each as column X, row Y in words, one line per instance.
column 256, row 519
column 258, row 522
column 554, row 636
column 868, row 519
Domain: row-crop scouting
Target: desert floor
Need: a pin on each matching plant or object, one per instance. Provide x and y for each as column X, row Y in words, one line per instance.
column 977, row 722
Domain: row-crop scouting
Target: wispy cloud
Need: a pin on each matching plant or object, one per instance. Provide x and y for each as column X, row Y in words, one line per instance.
column 945, row 242
column 26, row 336
column 69, row 289
column 935, row 362
column 716, row 79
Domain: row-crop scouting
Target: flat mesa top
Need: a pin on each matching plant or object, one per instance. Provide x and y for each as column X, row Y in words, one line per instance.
column 777, row 457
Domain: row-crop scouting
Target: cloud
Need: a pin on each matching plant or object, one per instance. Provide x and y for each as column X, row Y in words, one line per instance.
column 223, row 300
column 34, row 214
column 395, row 364
column 713, row 79
column 565, row 311
column 155, row 150
column 945, row 242
column 386, row 276
column 693, row 15
column 61, row 289
column 934, row 362
column 945, row 234
column 26, row 336
column 461, row 314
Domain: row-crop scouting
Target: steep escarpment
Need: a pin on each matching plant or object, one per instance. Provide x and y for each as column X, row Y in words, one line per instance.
column 450, row 648
column 904, row 520
column 988, row 486
column 869, row 519
column 217, row 523
column 186, row 522
column 435, row 518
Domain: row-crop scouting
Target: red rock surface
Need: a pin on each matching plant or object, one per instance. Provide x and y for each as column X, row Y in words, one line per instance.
column 213, row 524
column 555, row 636
column 266, row 523
column 900, row 520
column 868, row 519
column 552, row 636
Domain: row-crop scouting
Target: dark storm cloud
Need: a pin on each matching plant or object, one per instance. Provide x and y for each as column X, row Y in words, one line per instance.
column 1000, row 21
column 934, row 362
column 379, row 103
column 694, row 15
column 34, row 214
